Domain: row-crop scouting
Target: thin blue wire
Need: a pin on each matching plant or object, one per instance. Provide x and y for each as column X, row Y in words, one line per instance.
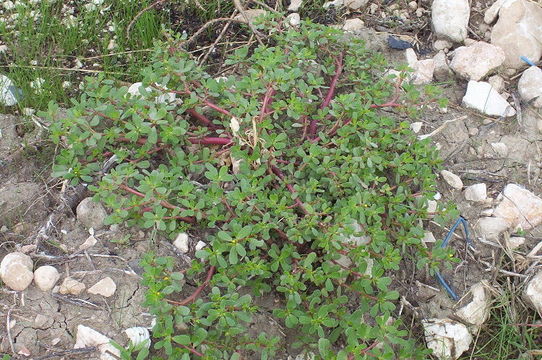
column 440, row 278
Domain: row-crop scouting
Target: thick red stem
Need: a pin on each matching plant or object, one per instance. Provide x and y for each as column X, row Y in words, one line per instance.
column 201, row 118
column 330, row 93
column 196, row 293
column 267, row 100
column 192, row 350
column 211, row 141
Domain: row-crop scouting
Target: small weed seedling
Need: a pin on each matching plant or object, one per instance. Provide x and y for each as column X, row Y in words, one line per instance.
column 307, row 190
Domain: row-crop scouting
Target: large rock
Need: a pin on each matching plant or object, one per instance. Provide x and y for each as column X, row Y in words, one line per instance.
column 530, row 86
column 16, row 271
column 475, row 61
column 447, row 338
column 91, row 214
column 518, row 31
column 450, row 19
column 520, row 208
column 482, row 97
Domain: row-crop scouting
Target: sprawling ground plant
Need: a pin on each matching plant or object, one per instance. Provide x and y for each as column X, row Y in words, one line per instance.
column 306, row 191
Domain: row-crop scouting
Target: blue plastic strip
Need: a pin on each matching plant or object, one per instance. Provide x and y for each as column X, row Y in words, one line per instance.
column 527, row 60
column 440, row 278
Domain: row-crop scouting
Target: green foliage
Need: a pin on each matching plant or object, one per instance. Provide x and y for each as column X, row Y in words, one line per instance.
column 318, row 219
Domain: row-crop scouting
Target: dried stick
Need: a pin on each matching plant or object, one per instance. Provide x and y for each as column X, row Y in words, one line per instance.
column 217, row 40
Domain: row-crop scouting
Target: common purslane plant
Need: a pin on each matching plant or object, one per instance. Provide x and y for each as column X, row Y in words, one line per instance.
column 304, row 189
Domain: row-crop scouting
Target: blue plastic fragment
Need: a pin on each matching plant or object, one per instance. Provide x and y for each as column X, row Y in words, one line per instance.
column 527, row 60
column 440, row 278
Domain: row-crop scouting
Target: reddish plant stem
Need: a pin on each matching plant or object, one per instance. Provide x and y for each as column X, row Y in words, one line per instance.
column 164, row 203
column 330, row 93
column 290, row 188
column 211, row 141
column 196, row 293
column 192, row 350
column 201, row 118
column 267, row 100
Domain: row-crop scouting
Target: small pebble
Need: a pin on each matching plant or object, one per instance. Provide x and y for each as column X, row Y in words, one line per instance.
column 452, row 179
column 476, row 192
column 46, row 277
column 105, row 287
column 181, row 243
column 71, row 286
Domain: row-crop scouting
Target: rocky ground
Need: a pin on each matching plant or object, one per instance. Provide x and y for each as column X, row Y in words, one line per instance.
column 82, row 288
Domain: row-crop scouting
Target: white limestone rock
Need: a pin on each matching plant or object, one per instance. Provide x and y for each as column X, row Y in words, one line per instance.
column 16, row 271
column 476, row 192
column 520, row 208
column 475, row 61
column 105, row 287
column 450, row 19
column 447, row 338
column 482, row 97
column 530, row 85
column 46, row 277
column 452, row 179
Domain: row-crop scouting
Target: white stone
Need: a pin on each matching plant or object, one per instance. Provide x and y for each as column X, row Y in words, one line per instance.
column 411, row 57
column 442, row 44
column 8, row 91
column 450, row 19
column 138, row 335
column 447, row 338
column 516, row 241
column 475, row 61
column 416, row 126
column 492, row 12
column 476, row 192
column 354, row 24
column 200, row 245
column 251, row 15
column 487, row 212
column 491, row 227
column 46, row 277
column 428, row 237
column 105, row 287
column 91, row 214
column 452, row 179
column 520, row 208
column 500, row 149
column 71, row 286
column 293, row 19
column 497, row 82
column 16, row 271
column 442, row 69
column 533, row 292
column 164, row 98
column 89, row 242
column 295, row 5
column 181, row 242
column 413, row 5
column 530, row 84
column 477, row 311
column 431, row 206
column 355, row 4
column 87, row 337
column 423, row 72
column 335, row 3
column 482, row 97
column 519, row 32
